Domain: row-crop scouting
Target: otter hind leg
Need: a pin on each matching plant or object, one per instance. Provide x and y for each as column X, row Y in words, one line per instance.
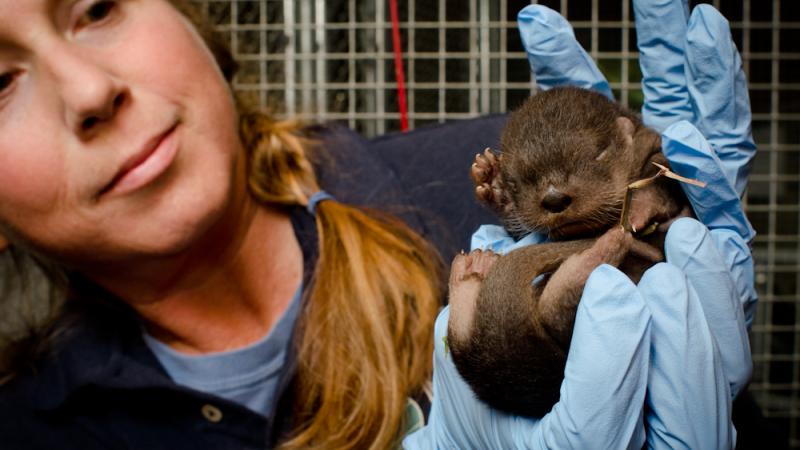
column 466, row 275
column 503, row 354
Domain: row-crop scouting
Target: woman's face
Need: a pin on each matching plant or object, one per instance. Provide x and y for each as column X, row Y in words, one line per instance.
column 118, row 134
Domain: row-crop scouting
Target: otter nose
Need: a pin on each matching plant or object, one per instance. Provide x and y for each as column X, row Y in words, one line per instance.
column 555, row 201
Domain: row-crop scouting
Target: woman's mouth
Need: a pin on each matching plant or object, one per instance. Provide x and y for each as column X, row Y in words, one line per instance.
column 144, row 166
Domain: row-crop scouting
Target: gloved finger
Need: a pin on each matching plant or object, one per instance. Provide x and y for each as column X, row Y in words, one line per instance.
column 688, row 397
column 555, row 57
column 497, row 239
column 717, row 205
column 739, row 261
column 690, row 247
column 718, row 93
column 661, row 33
column 606, row 371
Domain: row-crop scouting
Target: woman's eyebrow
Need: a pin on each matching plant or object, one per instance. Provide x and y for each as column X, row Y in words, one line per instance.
column 8, row 48
column 52, row 11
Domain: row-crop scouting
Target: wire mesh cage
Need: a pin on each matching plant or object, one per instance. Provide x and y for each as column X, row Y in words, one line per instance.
column 332, row 60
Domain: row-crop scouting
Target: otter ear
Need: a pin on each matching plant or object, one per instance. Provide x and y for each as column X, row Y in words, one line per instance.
column 624, row 138
column 625, row 128
column 3, row 243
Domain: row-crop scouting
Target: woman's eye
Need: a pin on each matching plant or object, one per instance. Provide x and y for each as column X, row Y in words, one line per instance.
column 5, row 81
column 96, row 13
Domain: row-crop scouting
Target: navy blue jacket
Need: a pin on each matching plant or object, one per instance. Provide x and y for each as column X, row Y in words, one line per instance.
column 104, row 389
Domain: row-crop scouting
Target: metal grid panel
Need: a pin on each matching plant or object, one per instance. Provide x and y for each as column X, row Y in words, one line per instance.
column 332, row 60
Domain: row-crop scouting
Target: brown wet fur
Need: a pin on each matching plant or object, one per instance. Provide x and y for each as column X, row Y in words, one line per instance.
column 509, row 337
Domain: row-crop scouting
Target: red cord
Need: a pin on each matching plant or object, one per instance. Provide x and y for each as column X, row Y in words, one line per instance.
column 398, row 66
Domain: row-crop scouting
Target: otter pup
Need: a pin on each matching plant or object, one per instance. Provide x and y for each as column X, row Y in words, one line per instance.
column 567, row 157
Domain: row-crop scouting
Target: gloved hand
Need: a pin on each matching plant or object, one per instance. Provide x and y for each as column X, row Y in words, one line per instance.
column 709, row 101
column 619, row 349
column 694, row 90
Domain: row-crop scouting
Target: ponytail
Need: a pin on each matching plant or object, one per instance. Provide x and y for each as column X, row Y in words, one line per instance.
column 366, row 334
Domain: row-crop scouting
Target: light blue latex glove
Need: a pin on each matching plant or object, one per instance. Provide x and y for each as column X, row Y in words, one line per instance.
column 497, row 239
column 555, row 57
column 693, row 72
column 700, row 354
column 695, row 88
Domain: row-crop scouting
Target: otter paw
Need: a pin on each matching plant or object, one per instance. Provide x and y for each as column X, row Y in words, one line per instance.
column 472, row 265
column 650, row 207
column 485, row 173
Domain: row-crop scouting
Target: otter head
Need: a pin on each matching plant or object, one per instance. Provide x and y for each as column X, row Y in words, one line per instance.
column 568, row 156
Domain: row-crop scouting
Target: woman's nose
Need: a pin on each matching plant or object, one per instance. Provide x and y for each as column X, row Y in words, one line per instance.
column 91, row 94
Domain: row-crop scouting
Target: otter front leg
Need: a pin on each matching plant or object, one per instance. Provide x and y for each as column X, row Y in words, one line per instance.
column 489, row 187
column 559, row 300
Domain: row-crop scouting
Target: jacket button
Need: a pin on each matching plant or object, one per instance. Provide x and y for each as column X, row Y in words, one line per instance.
column 211, row 413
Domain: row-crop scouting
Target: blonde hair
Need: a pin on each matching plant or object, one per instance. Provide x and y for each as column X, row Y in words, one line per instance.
column 365, row 336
